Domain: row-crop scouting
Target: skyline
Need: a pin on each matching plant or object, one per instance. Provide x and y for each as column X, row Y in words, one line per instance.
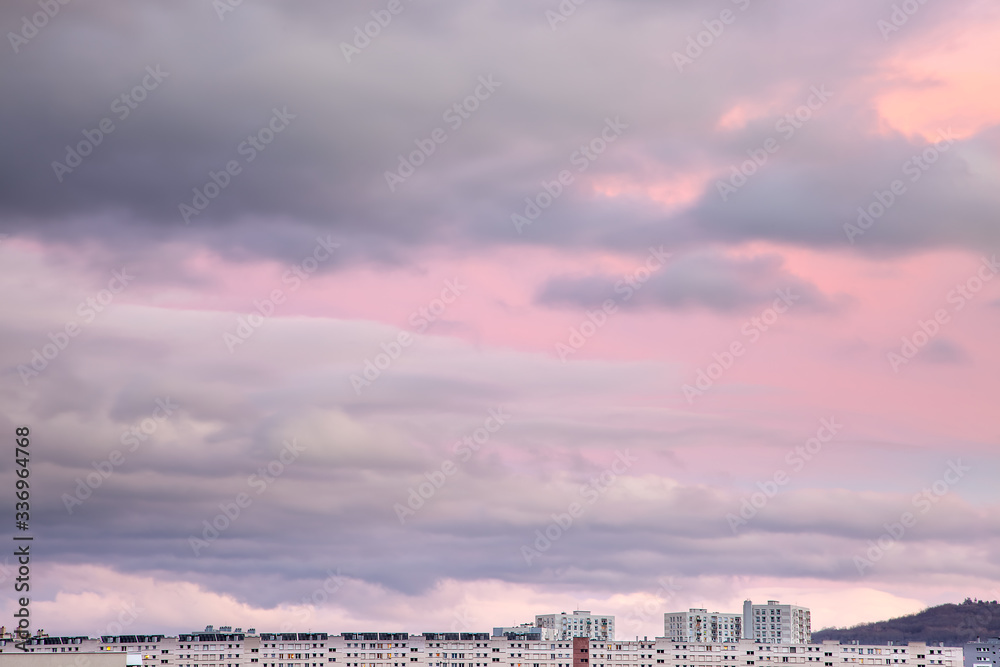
column 794, row 620
column 473, row 311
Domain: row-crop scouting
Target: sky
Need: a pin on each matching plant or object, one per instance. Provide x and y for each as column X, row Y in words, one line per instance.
column 434, row 316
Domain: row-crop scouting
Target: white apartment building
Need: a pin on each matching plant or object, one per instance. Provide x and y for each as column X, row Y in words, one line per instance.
column 289, row 649
column 584, row 652
column 200, row 649
column 776, row 623
column 984, row 653
column 21, row 659
column 144, row 650
column 454, row 649
column 701, row 625
column 835, row 654
column 705, row 654
column 447, row 649
column 578, row 624
column 525, row 631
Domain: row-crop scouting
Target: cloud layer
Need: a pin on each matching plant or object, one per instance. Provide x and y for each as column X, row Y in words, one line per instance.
column 489, row 313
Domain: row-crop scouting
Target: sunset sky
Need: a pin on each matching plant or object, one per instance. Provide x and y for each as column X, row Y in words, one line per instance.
column 500, row 309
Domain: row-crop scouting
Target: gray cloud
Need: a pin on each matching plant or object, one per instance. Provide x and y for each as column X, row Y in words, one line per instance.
column 944, row 351
column 704, row 279
column 364, row 454
column 325, row 172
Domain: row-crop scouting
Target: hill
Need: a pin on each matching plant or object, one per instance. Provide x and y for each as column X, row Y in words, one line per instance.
column 953, row 624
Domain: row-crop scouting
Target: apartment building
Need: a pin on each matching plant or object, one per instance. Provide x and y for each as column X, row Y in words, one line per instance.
column 49, row 645
column 288, row 649
column 705, row 654
column 452, row 649
column 983, row 653
column 447, row 649
column 914, row 654
column 565, row 626
column 524, row 631
column 21, row 659
column 137, row 650
column 483, row 650
column 473, row 649
column 776, row 623
column 575, row 652
column 199, row 649
column 701, row 625
column 835, row 654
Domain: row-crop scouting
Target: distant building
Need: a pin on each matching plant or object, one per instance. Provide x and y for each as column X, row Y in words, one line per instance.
column 524, row 631
column 701, row 625
column 983, row 653
column 578, row 624
column 775, row 623
column 460, row 649
column 771, row 623
column 21, row 659
column 835, row 654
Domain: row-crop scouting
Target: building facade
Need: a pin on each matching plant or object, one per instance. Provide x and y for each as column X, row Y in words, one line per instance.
column 470, row 649
column 578, row 624
column 983, row 653
column 21, row 659
column 524, row 631
column 776, row 623
column 914, row 654
column 701, row 625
